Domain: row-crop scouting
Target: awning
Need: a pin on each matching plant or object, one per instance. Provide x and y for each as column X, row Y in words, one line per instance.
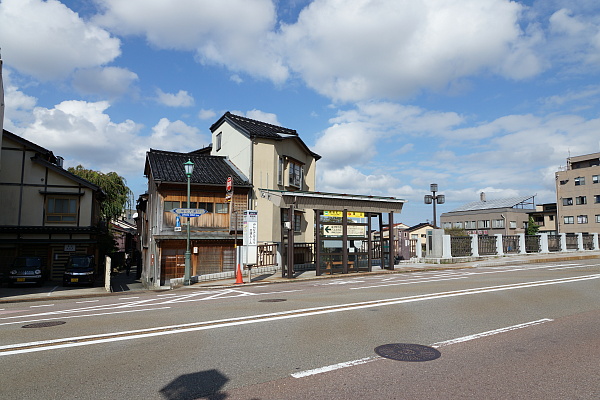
column 332, row 201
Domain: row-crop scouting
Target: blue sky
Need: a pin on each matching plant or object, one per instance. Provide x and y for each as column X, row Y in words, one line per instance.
column 474, row 95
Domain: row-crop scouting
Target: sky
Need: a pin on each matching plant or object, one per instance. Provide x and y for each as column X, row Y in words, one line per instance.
column 474, row 95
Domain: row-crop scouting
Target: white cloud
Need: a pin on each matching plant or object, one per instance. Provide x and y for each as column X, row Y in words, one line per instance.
column 83, row 133
column 236, row 78
column 18, row 105
column 358, row 49
column 352, row 181
column 207, row 114
column 110, row 82
column 176, row 136
column 259, row 115
column 233, row 33
column 181, row 99
column 355, row 134
column 47, row 40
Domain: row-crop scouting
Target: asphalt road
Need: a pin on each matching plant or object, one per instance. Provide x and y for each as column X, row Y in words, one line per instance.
column 529, row 331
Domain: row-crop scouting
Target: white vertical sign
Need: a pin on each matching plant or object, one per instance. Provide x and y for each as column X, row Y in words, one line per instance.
column 250, row 235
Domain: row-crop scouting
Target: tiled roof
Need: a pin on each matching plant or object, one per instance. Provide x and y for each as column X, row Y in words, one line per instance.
column 254, row 128
column 167, row 166
column 508, row 202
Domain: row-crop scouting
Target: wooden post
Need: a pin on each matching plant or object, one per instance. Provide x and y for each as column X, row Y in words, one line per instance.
column 345, row 241
column 290, row 258
column 382, row 255
column 318, row 241
column 392, row 244
column 369, row 244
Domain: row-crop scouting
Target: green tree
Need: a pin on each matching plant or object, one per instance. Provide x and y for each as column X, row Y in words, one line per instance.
column 114, row 187
column 532, row 227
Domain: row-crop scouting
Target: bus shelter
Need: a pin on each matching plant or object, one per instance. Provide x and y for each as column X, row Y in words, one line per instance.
column 343, row 230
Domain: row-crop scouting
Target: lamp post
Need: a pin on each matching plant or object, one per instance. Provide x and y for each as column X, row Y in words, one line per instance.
column 433, row 199
column 189, row 168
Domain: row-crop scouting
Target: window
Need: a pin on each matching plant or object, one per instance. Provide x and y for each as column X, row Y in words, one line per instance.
column 567, row 201
column 513, row 225
column 416, row 235
column 597, row 198
column 582, row 219
column 206, row 206
column 598, row 218
column 483, row 223
column 61, row 209
column 297, row 219
column 470, row 225
column 458, row 225
column 295, row 174
column 169, row 205
column 280, row 168
column 218, row 140
column 595, row 178
column 580, row 200
column 498, row 223
column 447, row 225
column 569, row 220
column 580, row 181
column 221, row 208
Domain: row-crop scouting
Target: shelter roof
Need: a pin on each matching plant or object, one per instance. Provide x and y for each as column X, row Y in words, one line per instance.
column 333, row 201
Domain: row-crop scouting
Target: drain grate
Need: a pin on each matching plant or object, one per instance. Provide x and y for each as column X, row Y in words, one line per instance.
column 44, row 324
column 407, row 352
column 271, row 300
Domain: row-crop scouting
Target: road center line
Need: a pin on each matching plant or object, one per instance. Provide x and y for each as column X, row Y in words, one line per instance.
column 20, row 348
column 346, row 364
column 490, row 333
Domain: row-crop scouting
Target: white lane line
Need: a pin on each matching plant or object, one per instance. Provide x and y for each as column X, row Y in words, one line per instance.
column 408, row 283
column 334, row 367
column 53, row 289
column 361, row 361
column 42, row 305
column 128, row 298
column 80, row 316
column 86, row 301
column 490, row 333
column 21, row 348
column 463, row 275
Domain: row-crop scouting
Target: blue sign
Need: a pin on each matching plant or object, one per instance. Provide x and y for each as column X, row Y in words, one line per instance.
column 189, row 212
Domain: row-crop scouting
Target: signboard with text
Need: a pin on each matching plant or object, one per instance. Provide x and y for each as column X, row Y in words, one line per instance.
column 337, row 230
column 189, row 212
column 340, row 214
column 250, row 235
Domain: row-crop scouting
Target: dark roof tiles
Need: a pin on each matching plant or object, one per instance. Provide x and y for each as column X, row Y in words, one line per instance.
column 167, row 166
column 255, row 128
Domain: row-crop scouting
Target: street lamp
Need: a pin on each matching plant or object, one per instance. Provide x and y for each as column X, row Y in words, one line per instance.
column 189, row 168
column 433, row 199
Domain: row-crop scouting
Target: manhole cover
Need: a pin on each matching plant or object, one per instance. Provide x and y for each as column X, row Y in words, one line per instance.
column 271, row 300
column 407, row 352
column 44, row 324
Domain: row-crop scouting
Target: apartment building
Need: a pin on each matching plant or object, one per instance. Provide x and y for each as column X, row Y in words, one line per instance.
column 578, row 195
column 506, row 216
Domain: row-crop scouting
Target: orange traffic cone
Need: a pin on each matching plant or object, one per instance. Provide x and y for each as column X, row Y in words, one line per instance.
column 238, row 275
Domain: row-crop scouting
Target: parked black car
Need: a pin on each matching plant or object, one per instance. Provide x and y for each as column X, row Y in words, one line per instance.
column 26, row 269
column 80, row 270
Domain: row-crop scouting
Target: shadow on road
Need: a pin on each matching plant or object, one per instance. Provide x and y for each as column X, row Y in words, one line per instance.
column 199, row 385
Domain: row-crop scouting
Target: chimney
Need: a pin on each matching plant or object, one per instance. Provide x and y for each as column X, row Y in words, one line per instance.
column 482, row 196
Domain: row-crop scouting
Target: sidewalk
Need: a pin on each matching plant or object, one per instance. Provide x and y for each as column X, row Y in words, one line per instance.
column 123, row 285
